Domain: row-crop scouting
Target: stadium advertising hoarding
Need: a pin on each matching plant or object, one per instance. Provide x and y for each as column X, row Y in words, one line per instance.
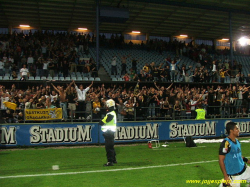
column 90, row 133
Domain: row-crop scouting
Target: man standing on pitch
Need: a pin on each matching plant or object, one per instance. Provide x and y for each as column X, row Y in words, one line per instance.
column 108, row 124
column 230, row 159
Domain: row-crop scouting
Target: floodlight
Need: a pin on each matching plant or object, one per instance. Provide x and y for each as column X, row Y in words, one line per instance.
column 24, row 25
column 84, row 29
column 136, row 32
column 243, row 41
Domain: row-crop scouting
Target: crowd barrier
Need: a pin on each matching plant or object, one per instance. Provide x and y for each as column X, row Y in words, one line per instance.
column 129, row 114
column 39, row 134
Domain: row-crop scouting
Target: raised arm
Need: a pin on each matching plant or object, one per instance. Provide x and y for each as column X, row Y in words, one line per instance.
column 91, row 84
column 69, row 86
column 55, row 87
column 156, row 86
column 169, row 86
column 74, row 84
column 168, row 62
column 178, row 62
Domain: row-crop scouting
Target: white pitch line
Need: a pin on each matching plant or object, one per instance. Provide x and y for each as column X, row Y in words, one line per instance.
column 103, row 171
column 175, row 148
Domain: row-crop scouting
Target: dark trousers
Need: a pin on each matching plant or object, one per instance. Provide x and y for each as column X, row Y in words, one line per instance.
column 109, row 145
column 81, row 107
column 113, row 70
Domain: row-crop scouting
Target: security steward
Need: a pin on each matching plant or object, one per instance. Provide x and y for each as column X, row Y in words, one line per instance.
column 108, row 124
column 201, row 113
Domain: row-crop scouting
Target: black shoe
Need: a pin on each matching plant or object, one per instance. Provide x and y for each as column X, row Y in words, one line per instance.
column 115, row 162
column 109, row 164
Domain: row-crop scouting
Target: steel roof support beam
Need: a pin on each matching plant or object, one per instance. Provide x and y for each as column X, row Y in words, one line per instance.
column 72, row 14
column 97, row 32
column 230, row 37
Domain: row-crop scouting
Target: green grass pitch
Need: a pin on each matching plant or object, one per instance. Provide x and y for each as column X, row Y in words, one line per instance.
column 137, row 166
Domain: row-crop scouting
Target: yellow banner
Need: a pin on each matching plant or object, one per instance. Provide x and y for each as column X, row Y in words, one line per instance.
column 43, row 114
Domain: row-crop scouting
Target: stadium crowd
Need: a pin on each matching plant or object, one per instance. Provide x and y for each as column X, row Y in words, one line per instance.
column 43, row 54
column 46, row 54
column 206, row 68
column 133, row 103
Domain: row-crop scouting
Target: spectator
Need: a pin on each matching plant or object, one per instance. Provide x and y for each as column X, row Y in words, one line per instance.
column 20, row 117
column 124, row 65
column 7, row 66
column 23, row 60
column 14, row 75
column 134, row 64
column 93, row 69
column 9, row 118
column 39, row 66
column 24, row 72
column 45, row 67
column 183, row 71
column 96, row 109
column 40, row 104
column 121, row 110
column 126, row 77
column 173, row 69
column 215, row 75
column 72, row 97
column 30, row 61
column 51, row 68
column 88, row 108
column 114, row 66
column 63, row 102
column 1, row 68
column 32, row 70
column 81, row 96
column 65, row 68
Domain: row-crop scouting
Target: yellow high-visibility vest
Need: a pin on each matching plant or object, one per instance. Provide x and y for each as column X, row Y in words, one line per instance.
column 201, row 113
column 109, row 125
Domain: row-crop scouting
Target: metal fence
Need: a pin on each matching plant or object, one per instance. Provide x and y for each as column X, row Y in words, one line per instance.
column 137, row 114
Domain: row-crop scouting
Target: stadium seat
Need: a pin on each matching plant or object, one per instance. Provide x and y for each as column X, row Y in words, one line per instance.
column 79, row 79
column 97, row 79
column 91, row 78
column 114, row 79
column 1, row 78
column 61, row 78
column 43, row 78
column 31, row 78
column 73, row 78
column 49, row 78
column 6, row 78
column 55, row 78
column 85, row 78
column 67, row 79
column 37, row 78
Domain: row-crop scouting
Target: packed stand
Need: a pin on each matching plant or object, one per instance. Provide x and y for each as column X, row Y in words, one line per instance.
column 140, row 102
column 45, row 55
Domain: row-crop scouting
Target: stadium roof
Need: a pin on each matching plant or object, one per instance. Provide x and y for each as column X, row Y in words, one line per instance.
column 196, row 18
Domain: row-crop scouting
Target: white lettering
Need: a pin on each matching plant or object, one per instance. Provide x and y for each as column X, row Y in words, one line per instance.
column 8, row 136
column 51, row 135
column 200, row 129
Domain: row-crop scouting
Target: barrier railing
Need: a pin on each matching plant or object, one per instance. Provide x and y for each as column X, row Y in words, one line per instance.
column 136, row 114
